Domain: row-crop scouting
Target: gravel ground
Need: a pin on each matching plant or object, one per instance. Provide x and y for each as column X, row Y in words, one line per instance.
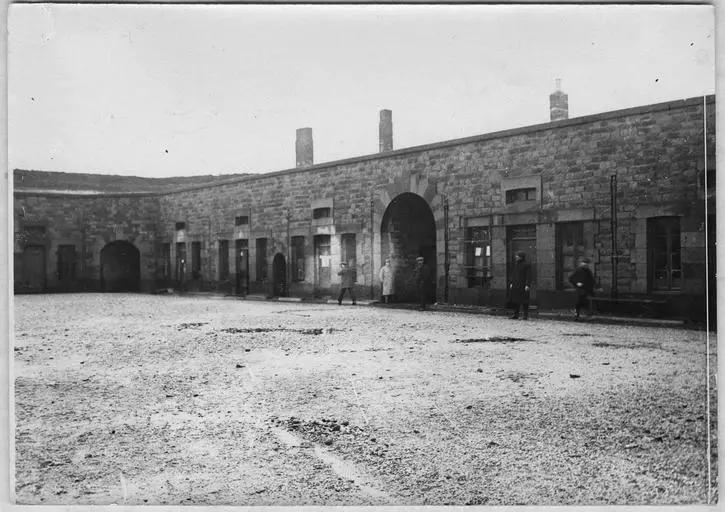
column 140, row 399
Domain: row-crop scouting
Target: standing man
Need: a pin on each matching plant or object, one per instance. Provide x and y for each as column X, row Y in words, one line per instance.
column 520, row 286
column 386, row 279
column 583, row 280
column 347, row 281
column 421, row 277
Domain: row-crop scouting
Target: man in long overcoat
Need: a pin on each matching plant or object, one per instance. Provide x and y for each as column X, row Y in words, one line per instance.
column 421, row 278
column 387, row 280
column 520, row 286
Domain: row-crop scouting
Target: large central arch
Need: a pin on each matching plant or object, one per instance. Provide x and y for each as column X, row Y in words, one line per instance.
column 120, row 267
column 407, row 231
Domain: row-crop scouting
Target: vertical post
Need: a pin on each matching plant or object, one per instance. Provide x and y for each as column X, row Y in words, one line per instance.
column 372, row 247
column 614, row 258
column 446, row 264
column 288, row 265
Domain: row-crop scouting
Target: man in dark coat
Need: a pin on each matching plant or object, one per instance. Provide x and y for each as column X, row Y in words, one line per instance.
column 582, row 280
column 347, row 281
column 421, row 278
column 520, row 286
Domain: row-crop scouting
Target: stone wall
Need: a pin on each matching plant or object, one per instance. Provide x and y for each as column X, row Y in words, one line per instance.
column 88, row 223
column 656, row 153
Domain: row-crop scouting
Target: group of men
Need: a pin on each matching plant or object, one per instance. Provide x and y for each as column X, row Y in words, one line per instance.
column 421, row 279
column 519, row 291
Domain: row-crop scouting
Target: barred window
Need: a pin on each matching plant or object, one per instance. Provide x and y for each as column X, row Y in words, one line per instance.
column 477, row 245
column 321, row 213
column 348, row 253
column 241, row 220
column 570, row 248
column 520, row 194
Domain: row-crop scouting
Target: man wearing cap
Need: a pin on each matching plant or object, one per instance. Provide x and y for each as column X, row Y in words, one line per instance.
column 520, row 287
column 347, row 281
column 583, row 280
column 421, row 278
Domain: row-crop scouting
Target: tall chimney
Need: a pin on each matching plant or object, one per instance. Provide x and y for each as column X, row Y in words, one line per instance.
column 558, row 103
column 303, row 147
column 386, row 130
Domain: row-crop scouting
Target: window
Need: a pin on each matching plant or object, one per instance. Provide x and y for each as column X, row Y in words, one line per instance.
column 322, row 213
column 223, row 259
column 261, row 259
column 298, row 258
column 570, row 248
column 323, row 268
column 180, row 226
column 195, row 260
column 477, row 244
column 348, row 254
column 166, row 260
column 663, row 245
column 517, row 195
column 241, row 220
column 35, row 230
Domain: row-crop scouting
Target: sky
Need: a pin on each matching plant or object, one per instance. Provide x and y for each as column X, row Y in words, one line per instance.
column 179, row 90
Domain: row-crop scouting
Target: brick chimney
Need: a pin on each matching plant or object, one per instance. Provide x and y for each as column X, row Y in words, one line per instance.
column 558, row 103
column 303, row 147
column 386, row 130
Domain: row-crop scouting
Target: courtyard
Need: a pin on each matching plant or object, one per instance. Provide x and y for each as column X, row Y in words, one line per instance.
column 150, row 400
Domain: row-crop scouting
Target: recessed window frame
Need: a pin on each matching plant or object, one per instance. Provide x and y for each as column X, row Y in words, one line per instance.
column 477, row 268
column 323, row 212
column 521, row 195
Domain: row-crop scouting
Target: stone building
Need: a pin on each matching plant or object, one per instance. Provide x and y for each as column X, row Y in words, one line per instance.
column 629, row 189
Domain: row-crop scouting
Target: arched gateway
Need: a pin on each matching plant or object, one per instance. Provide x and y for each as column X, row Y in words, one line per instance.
column 407, row 231
column 120, row 267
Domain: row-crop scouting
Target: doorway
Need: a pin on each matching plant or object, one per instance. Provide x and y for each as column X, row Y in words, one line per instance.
column 241, row 250
column 522, row 238
column 279, row 275
column 407, row 231
column 34, row 268
column 120, row 267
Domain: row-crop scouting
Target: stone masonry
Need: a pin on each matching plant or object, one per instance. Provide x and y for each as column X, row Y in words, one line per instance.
column 657, row 153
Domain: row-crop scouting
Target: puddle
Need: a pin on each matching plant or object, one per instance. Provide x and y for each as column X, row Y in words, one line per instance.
column 191, row 325
column 606, row 344
column 582, row 334
column 492, row 339
column 316, row 331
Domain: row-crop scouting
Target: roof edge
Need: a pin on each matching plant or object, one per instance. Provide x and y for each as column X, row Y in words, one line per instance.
column 511, row 132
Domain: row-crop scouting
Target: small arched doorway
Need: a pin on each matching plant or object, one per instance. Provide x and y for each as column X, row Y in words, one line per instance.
column 406, row 232
column 279, row 275
column 120, row 267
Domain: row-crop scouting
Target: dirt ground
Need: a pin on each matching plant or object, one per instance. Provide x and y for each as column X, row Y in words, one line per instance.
column 136, row 399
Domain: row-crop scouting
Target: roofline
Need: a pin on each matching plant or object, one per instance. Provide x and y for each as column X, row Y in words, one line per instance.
column 75, row 193
column 512, row 132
